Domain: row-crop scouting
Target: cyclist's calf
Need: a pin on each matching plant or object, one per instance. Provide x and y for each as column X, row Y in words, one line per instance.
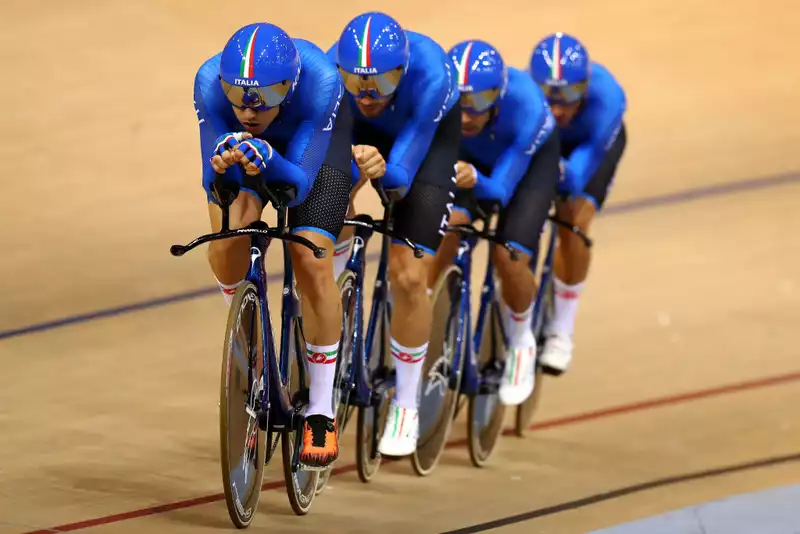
column 411, row 318
column 518, row 281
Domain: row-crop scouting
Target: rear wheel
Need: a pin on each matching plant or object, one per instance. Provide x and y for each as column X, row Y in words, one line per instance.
column 441, row 382
column 372, row 418
column 526, row 410
column 242, row 441
column 301, row 484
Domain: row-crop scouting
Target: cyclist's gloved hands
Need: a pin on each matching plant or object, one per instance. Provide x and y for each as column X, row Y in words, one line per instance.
column 226, row 153
column 255, row 155
column 227, row 176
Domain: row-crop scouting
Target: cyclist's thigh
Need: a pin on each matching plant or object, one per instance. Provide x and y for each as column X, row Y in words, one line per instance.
column 522, row 221
column 325, row 208
column 600, row 183
column 245, row 209
column 423, row 214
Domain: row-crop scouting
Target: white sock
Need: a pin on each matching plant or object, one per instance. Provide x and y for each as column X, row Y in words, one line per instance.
column 566, row 307
column 341, row 253
column 518, row 328
column 321, row 371
column 229, row 290
column 408, row 365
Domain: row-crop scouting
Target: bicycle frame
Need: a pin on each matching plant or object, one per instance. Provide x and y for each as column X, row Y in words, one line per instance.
column 468, row 343
column 277, row 410
column 538, row 317
column 472, row 381
column 360, row 383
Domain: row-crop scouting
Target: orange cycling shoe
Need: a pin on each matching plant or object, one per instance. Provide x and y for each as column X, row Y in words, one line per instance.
column 320, row 441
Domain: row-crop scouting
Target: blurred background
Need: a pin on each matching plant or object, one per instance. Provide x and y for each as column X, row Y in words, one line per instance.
column 101, row 174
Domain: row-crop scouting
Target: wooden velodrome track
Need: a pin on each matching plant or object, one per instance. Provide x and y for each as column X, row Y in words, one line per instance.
column 686, row 358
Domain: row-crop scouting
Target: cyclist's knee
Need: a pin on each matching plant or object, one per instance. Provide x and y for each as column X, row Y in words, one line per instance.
column 409, row 275
column 579, row 211
column 451, row 240
column 314, row 275
column 506, row 266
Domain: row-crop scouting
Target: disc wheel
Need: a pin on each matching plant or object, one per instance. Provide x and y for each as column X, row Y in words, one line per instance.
column 440, row 384
column 342, row 383
column 242, row 440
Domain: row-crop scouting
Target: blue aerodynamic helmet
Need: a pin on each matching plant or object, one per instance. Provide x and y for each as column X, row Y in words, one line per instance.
column 560, row 67
column 372, row 55
column 259, row 66
column 482, row 74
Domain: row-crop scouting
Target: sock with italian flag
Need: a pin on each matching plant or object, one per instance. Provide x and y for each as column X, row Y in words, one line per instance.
column 408, row 365
column 321, row 371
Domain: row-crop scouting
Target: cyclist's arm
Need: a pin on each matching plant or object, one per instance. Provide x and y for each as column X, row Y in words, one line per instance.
column 587, row 157
column 306, row 151
column 514, row 161
column 211, row 125
column 487, row 188
column 413, row 142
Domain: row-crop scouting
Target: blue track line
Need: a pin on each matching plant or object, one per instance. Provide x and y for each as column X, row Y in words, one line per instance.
column 621, row 208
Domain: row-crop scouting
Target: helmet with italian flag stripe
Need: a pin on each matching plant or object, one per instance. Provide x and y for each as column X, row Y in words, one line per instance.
column 372, row 55
column 259, row 66
column 560, row 67
column 482, row 74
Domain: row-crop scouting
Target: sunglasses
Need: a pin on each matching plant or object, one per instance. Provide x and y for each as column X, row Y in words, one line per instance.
column 260, row 98
column 479, row 101
column 568, row 94
column 378, row 86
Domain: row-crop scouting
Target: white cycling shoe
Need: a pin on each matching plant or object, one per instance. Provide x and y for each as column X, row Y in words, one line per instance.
column 557, row 353
column 400, row 433
column 519, row 375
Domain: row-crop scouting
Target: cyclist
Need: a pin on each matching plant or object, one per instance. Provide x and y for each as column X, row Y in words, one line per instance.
column 406, row 133
column 588, row 104
column 268, row 108
column 509, row 155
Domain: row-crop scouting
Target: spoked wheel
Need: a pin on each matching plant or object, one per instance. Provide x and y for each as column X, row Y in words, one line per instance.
column 301, row 484
column 342, row 381
column 372, row 418
column 527, row 409
column 486, row 412
column 440, row 387
column 243, row 446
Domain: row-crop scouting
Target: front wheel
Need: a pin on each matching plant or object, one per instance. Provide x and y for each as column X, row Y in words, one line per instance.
column 342, row 383
column 486, row 412
column 441, row 381
column 243, row 447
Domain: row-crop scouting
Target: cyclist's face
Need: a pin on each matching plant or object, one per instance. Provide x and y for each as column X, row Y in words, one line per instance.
column 371, row 107
column 472, row 123
column 255, row 121
column 564, row 113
